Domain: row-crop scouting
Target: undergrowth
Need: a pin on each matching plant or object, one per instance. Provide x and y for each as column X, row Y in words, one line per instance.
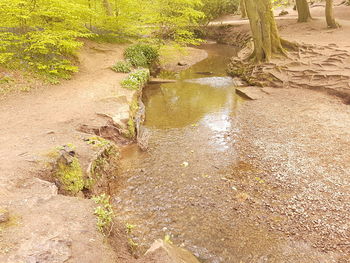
column 142, row 55
column 122, row 67
column 136, row 79
column 104, row 213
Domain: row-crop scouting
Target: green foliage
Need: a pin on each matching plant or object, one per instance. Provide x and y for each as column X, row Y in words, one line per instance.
column 142, row 55
column 216, row 8
column 97, row 141
column 129, row 228
column 280, row 3
column 175, row 20
column 70, row 176
column 136, row 79
column 41, row 35
column 44, row 36
column 104, row 213
column 122, row 67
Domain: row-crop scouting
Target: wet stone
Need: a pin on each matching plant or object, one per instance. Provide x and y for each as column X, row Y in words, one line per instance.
column 163, row 252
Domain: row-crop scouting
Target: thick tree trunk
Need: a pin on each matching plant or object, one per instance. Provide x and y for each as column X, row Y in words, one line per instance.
column 264, row 30
column 243, row 9
column 108, row 7
column 304, row 14
column 330, row 15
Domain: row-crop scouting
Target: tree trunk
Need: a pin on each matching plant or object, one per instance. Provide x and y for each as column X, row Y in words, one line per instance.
column 304, row 14
column 330, row 15
column 243, row 9
column 108, row 7
column 264, row 30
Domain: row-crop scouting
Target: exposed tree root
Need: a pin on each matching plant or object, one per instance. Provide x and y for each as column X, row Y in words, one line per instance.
column 317, row 68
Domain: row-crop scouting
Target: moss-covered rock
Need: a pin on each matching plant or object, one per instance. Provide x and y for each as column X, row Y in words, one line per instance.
column 69, row 176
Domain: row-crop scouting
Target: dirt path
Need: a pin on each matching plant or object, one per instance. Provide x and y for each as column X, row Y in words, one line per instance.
column 44, row 224
column 294, row 166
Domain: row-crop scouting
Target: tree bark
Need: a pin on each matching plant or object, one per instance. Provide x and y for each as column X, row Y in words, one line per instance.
column 304, row 14
column 243, row 9
column 267, row 41
column 108, row 7
column 330, row 15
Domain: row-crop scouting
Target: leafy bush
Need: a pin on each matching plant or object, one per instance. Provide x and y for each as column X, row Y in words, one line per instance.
column 122, row 67
column 43, row 36
column 216, row 8
column 175, row 20
column 142, row 55
column 104, row 213
column 136, row 79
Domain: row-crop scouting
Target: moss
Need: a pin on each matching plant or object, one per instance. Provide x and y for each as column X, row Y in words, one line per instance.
column 134, row 107
column 97, row 141
column 131, row 129
column 70, row 176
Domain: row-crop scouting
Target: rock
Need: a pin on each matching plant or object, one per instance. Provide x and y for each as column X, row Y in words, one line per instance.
column 182, row 63
column 52, row 250
column 207, row 73
column 163, row 252
column 251, row 93
column 4, row 215
column 283, row 13
column 161, row 81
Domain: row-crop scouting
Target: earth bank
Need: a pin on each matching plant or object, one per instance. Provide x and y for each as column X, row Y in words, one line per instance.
column 45, row 226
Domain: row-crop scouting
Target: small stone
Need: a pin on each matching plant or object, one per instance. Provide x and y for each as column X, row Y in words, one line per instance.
column 164, row 252
column 182, row 63
column 185, row 164
column 4, row 215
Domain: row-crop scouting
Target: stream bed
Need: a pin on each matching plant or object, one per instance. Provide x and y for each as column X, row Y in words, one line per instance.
column 178, row 187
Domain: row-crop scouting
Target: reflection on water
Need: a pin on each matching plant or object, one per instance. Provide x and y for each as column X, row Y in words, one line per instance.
column 190, row 121
column 193, row 97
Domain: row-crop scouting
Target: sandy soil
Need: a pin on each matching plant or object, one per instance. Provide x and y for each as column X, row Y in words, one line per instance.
column 294, row 165
column 32, row 125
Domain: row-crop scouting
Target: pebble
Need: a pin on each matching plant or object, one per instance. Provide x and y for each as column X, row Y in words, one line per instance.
column 4, row 215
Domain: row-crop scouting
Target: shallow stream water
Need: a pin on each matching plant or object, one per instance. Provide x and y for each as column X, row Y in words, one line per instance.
column 177, row 187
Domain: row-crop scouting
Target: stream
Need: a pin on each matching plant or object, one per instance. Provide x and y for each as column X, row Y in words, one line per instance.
column 178, row 188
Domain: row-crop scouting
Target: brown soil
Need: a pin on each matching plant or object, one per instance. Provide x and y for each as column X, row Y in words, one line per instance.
column 292, row 178
column 45, row 226
column 297, row 143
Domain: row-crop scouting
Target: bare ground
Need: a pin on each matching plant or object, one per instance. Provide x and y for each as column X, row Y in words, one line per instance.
column 45, row 226
column 294, row 166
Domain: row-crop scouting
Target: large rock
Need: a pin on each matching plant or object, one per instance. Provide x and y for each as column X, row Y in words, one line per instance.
column 163, row 252
column 251, row 93
column 39, row 250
